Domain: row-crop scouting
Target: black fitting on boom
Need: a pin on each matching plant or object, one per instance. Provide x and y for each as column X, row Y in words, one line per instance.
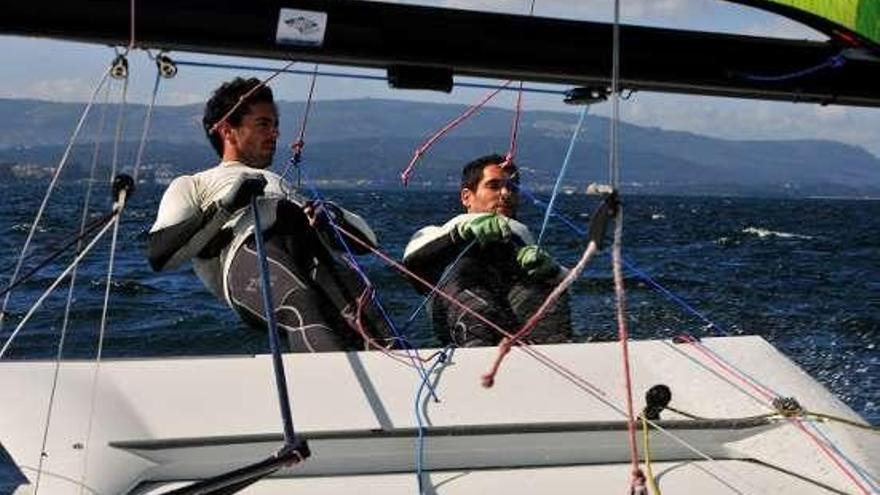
column 123, row 182
column 656, row 400
column 603, row 213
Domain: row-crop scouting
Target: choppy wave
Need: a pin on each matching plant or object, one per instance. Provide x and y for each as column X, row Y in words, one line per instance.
column 762, row 233
column 25, row 227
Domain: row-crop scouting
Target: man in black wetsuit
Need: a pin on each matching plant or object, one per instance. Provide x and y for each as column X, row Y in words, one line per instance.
column 488, row 261
column 206, row 217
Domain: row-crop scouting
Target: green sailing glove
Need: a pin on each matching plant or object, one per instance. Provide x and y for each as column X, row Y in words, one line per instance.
column 537, row 263
column 486, row 228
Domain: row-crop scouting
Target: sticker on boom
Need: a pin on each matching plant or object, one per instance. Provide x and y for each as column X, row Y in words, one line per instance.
column 301, row 27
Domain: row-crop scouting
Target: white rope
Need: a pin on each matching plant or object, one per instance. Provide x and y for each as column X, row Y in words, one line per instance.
column 147, row 120
column 57, row 281
column 62, row 337
column 613, row 165
column 103, row 328
column 120, row 126
column 42, row 209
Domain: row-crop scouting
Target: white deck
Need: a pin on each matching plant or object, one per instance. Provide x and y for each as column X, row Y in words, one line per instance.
column 197, row 417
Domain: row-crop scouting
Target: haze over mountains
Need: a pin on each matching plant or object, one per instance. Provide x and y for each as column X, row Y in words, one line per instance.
column 368, row 142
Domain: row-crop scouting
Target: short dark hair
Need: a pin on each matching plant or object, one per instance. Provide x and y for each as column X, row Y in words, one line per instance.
column 225, row 98
column 473, row 171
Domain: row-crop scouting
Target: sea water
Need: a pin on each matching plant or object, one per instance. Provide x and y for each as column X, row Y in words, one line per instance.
column 802, row 273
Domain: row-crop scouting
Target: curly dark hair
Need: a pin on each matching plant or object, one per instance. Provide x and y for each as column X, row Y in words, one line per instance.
column 227, row 96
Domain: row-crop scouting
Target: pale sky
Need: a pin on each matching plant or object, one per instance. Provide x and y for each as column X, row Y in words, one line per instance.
column 63, row 71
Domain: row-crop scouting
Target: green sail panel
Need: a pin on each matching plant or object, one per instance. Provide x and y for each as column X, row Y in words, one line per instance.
column 859, row 17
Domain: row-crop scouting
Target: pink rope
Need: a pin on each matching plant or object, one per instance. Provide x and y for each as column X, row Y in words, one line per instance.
column 529, row 325
column 247, row 95
column 523, row 346
column 131, row 38
column 408, row 171
column 300, row 143
column 825, row 450
column 514, row 130
column 761, row 390
column 769, row 396
column 623, row 335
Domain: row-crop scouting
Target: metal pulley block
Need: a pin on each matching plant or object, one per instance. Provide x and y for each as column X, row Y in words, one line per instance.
column 167, row 67
column 119, row 67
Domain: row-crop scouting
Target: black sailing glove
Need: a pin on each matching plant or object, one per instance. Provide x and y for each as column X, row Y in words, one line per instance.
column 243, row 189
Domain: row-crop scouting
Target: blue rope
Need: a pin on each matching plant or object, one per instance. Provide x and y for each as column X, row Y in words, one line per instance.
column 833, row 62
column 374, row 297
column 641, row 274
column 862, row 472
column 348, row 75
column 562, row 171
column 268, row 307
column 442, row 357
column 436, row 287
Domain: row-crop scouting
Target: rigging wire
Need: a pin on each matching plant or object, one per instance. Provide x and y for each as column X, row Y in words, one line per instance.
column 91, row 227
column 51, row 187
column 247, row 95
column 568, row 375
column 424, row 147
column 147, row 120
column 120, row 118
column 751, row 380
column 514, row 131
column 63, row 334
column 561, row 175
column 55, row 284
column 637, row 481
column 411, row 353
column 120, row 203
column 298, row 146
column 862, row 472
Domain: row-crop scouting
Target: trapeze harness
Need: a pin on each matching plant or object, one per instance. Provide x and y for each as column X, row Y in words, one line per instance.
column 486, row 279
column 313, row 292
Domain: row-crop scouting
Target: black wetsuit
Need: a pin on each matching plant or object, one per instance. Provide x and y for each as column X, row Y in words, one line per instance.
column 314, row 291
column 487, row 280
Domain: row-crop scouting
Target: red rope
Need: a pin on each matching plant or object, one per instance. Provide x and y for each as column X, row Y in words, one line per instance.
column 623, row 335
column 299, row 144
column 131, row 38
column 514, row 131
column 825, row 450
column 247, row 95
column 760, row 389
column 525, row 347
column 767, row 394
column 357, row 323
column 407, row 172
column 555, row 294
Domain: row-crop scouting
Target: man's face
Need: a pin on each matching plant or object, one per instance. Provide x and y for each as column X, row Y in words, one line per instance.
column 253, row 141
column 496, row 193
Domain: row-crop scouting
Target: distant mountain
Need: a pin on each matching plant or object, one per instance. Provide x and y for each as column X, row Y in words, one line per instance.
column 370, row 141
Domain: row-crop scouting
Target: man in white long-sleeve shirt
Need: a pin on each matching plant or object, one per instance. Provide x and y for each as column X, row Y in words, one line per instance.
column 488, row 261
column 206, row 218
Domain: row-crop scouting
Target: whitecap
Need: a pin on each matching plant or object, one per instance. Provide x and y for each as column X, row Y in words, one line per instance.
column 762, row 233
